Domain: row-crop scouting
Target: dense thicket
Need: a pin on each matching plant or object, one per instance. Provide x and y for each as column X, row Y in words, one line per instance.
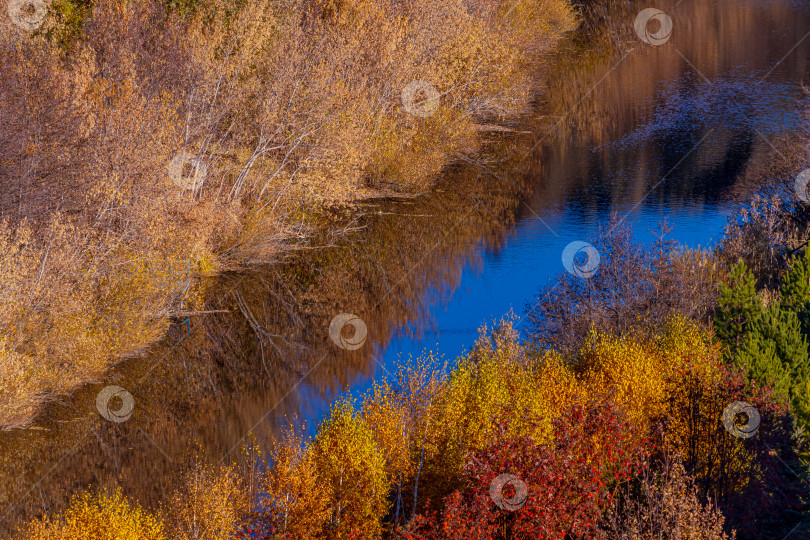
column 146, row 142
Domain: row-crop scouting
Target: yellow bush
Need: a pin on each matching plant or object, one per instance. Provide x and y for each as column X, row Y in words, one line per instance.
column 632, row 373
column 416, row 438
column 685, row 345
column 102, row 517
column 210, row 504
column 645, row 374
column 352, row 468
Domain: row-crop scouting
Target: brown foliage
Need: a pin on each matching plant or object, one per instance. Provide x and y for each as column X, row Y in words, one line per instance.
column 290, row 106
column 635, row 291
column 665, row 505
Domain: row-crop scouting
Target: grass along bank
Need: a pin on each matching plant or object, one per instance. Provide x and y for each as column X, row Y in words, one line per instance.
column 288, row 106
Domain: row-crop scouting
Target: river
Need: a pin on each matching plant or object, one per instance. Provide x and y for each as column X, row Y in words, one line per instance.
column 645, row 132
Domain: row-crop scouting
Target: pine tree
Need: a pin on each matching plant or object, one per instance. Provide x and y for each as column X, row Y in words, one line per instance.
column 782, row 326
column 769, row 343
column 775, row 352
column 795, row 290
column 776, row 347
column 738, row 308
column 758, row 356
column 795, row 296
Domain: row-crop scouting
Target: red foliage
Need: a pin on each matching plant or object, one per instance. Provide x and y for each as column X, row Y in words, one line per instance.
column 570, row 482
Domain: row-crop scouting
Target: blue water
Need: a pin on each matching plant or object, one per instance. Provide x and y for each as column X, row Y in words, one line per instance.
column 505, row 280
column 675, row 150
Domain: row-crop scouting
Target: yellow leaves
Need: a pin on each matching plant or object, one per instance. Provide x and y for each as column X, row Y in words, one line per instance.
column 22, row 389
column 635, row 375
column 653, row 380
column 644, row 376
column 352, row 468
column 210, row 504
column 103, row 517
column 300, row 500
column 52, row 342
column 496, row 380
column 383, row 410
column 684, row 345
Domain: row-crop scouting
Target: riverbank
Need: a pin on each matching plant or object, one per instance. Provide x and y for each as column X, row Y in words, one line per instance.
column 251, row 135
column 270, row 357
column 628, row 435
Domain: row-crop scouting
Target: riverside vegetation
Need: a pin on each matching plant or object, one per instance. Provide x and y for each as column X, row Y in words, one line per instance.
column 618, row 435
column 610, row 414
column 292, row 106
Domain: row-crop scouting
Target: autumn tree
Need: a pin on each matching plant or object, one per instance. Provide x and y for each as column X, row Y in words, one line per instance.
column 352, row 469
column 567, row 483
column 99, row 517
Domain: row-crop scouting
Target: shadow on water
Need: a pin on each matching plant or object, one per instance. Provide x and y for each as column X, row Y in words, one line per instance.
column 649, row 132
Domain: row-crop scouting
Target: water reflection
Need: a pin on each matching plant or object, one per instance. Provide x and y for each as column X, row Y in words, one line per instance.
column 652, row 131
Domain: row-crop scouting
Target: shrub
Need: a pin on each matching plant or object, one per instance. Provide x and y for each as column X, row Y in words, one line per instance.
column 664, row 504
column 635, row 291
column 737, row 308
column 101, row 517
column 570, row 481
column 795, row 289
column 498, row 379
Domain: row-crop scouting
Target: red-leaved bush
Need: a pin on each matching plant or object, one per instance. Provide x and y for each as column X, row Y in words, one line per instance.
column 570, row 482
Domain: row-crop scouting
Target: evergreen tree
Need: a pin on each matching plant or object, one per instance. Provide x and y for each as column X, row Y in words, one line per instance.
column 795, row 296
column 781, row 326
column 776, row 338
column 795, row 290
column 738, row 308
column 769, row 343
column 758, row 357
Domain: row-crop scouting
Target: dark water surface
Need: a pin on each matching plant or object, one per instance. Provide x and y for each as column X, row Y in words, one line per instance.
column 650, row 133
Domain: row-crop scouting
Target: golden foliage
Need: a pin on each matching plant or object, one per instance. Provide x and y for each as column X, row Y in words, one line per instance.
column 644, row 376
column 299, row 501
column 635, row 374
column 103, row 517
column 384, row 409
column 210, row 505
column 414, row 434
column 352, row 468
column 250, row 88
